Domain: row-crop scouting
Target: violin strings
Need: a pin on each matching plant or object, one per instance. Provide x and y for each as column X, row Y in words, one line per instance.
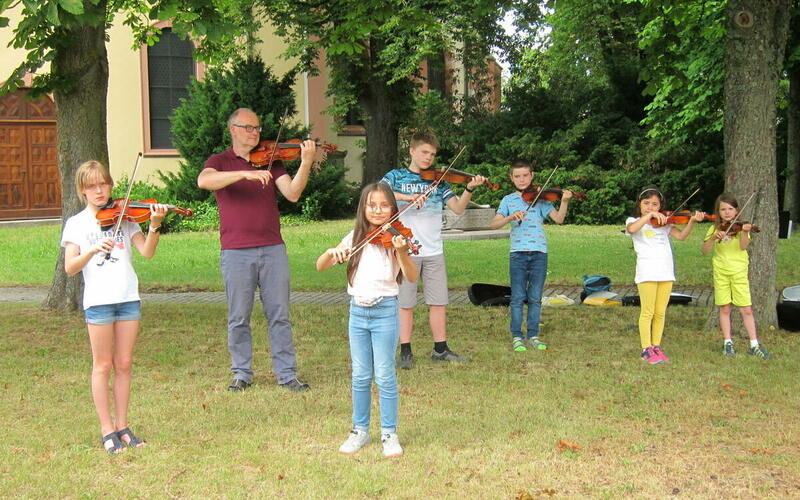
column 738, row 213
column 541, row 189
column 278, row 138
column 125, row 201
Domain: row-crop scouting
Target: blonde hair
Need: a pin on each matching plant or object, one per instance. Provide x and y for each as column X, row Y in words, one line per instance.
column 89, row 171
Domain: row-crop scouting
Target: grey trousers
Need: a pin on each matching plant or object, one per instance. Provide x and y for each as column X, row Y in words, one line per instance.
column 267, row 268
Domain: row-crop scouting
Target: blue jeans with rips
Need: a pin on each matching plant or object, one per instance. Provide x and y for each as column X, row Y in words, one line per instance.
column 374, row 332
column 528, row 271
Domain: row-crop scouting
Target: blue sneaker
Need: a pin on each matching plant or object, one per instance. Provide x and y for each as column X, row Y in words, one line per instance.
column 727, row 349
column 759, row 352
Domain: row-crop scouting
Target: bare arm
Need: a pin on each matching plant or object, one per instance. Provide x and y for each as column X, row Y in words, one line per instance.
column 147, row 246
column 458, row 204
column 558, row 217
column 682, row 234
column 501, row 220
column 744, row 239
column 332, row 256
column 212, row 179
column 637, row 225
column 290, row 188
column 407, row 266
column 75, row 261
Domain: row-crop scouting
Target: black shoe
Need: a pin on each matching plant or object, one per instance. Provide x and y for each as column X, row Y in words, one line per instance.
column 238, row 385
column 406, row 361
column 448, row 356
column 295, row 385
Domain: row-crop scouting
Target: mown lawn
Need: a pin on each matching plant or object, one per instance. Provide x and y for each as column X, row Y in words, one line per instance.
column 702, row 426
column 190, row 261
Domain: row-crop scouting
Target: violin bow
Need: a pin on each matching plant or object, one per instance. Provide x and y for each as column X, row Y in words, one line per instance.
column 544, row 186
column 686, row 200
column 361, row 244
column 735, row 219
column 125, row 202
column 277, row 138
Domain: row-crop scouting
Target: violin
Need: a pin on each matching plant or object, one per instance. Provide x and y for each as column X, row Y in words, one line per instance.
column 455, row 176
column 679, row 218
column 396, row 228
column 548, row 194
column 737, row 227
column 267, row 152
column 136, row 211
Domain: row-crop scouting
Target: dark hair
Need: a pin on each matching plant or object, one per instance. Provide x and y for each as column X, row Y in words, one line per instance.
column 728, row 198
column 362, row 226
column 520, row 163
column 424, row 138
column 648, row 192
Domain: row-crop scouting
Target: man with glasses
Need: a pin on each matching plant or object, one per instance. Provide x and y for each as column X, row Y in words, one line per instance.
column 253, row 252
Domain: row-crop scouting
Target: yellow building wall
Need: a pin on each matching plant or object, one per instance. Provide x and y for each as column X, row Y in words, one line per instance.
column 125, row 106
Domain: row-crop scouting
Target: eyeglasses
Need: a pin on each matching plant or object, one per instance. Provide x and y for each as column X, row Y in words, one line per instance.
column 379, row 208
column 249, row 128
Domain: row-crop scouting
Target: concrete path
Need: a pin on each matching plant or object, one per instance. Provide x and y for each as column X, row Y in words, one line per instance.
column 702, row 296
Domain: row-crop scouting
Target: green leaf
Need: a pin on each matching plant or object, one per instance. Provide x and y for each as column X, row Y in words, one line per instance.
column 3, row 22
column 51, row 13
column 72, row 6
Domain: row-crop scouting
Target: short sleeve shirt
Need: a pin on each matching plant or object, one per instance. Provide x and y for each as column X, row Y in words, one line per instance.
column 729, row 258
column 377, row 271
column 248, row 212
column 526, row 235
column 114, row 281
column 426, row 222
column 653, row 253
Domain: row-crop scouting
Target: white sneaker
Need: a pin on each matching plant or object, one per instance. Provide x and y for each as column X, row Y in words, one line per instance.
column 355, row 441
column 391, row 445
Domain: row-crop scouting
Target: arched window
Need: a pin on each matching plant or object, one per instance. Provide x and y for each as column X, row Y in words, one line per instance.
column 168, row 66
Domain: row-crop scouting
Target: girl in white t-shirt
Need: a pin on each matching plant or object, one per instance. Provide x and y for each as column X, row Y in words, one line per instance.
column 110, row 298
column 654, row 267
column 373, row 281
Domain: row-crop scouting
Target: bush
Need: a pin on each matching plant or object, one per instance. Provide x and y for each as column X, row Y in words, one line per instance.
column 199, row 123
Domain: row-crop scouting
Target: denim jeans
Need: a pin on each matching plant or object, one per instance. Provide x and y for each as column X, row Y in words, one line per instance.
column 528, row 271
column 374, row 332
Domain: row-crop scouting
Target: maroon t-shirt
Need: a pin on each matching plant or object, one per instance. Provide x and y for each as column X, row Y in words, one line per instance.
column 248, row 212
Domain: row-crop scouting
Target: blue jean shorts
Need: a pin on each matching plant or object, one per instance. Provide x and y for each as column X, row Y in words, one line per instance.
column 106, row 314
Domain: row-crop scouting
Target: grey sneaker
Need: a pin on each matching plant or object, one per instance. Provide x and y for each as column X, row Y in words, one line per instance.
column 295, row 385
column 391, row 445
column 537, row 344
column 448, row 356
column 355, row 441
column 406, row 361
column 759, row 352
column 727, row 349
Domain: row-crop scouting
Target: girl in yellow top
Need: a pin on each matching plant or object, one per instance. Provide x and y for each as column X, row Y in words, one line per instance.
column 730, row 264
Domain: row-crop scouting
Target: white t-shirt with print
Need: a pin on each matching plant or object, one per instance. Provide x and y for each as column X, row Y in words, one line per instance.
column 653, row 247
column 377, row 271
column 115, row 281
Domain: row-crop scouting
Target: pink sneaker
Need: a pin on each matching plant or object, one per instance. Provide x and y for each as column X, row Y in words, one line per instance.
column 651, row 356
column 660, row 353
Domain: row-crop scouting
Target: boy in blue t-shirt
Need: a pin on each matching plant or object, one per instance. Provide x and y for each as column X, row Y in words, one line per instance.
column 528, row 259
column 425, row 222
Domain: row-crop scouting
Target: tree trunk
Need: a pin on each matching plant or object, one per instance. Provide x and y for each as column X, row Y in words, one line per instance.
column 754, row 49
column 382, row 131
column 791, row 190
column 81, row 117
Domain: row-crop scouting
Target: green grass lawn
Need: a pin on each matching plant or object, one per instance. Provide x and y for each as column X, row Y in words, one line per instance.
column 190, row 261
column 702, row 426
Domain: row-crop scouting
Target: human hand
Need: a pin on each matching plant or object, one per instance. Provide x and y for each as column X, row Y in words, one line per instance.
column 747, row 227
column 476, row 181
column 157, row 213
column 519, row 215
column 399, row 242
column 659, row 217
column 262, row 176
column 699, row 216
column 105, row 246
column 566, row 194
column 338, row 255
column 308, row 149
column 418, row 200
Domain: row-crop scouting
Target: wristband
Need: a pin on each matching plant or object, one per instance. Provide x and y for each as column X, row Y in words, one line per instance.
column 155, row 229
column 468, row 190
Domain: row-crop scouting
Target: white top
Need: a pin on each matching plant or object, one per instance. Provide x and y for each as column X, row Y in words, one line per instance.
column 115, row 281
column 376, row 275
column 653, row 253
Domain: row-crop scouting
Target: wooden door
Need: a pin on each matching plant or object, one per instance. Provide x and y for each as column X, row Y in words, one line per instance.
column 30, row 184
